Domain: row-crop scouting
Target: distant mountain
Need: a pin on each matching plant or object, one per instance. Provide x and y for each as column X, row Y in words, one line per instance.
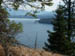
column 16, row 12
column 21, row 14
column 46, row 15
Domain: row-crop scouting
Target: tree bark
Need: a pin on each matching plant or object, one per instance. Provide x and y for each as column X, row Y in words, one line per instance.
column 69, row 20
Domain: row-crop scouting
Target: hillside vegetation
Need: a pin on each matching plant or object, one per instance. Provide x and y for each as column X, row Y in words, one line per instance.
column 25, row 51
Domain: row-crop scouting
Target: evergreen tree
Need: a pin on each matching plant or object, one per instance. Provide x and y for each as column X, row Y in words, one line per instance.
column 69, row 12
column 58, row 41
column 69, row 7
column 69, row 44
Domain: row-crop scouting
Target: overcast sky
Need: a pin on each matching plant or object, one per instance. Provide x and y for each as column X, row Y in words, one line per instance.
column 50, row 8
column 55, row 5
column 22, row 10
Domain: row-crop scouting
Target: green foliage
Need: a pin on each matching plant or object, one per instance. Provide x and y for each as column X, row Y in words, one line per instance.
column 15, row 27
column 69, row 7
column 16, row 3
column 16, row 6
column 8, row 29
column 47, row 3
column 3, row 13
column 32, row 14
column 9, row 32
column 57, row 41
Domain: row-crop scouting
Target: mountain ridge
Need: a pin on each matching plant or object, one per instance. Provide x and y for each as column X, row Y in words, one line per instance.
column 22, row 14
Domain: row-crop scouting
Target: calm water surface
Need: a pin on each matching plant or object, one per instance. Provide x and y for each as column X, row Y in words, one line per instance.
column 31, row 29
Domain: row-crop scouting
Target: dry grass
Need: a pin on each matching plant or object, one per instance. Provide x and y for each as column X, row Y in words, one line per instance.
column 1, row 51
column 24, row 51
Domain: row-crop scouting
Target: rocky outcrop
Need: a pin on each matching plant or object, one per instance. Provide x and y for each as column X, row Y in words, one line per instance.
column 24, row 51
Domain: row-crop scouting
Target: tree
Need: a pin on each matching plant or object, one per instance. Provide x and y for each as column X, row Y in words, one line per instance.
column 57, row 41
column 8, row 30
column 68, row 15
column 69, row 7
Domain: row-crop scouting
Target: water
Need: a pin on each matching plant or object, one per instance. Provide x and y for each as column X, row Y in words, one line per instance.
column 31, row 28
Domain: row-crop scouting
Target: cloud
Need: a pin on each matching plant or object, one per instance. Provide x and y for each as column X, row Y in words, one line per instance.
column 47, row 8
column 54, row 6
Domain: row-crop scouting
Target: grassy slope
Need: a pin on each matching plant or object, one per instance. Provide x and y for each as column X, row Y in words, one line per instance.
column 24, row 51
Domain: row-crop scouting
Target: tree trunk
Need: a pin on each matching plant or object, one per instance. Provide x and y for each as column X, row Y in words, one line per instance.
column 69, row 20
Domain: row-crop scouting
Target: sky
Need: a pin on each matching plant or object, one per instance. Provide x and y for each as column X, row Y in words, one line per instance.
column 54, row 6
column 47, row 8
column 22, row 10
